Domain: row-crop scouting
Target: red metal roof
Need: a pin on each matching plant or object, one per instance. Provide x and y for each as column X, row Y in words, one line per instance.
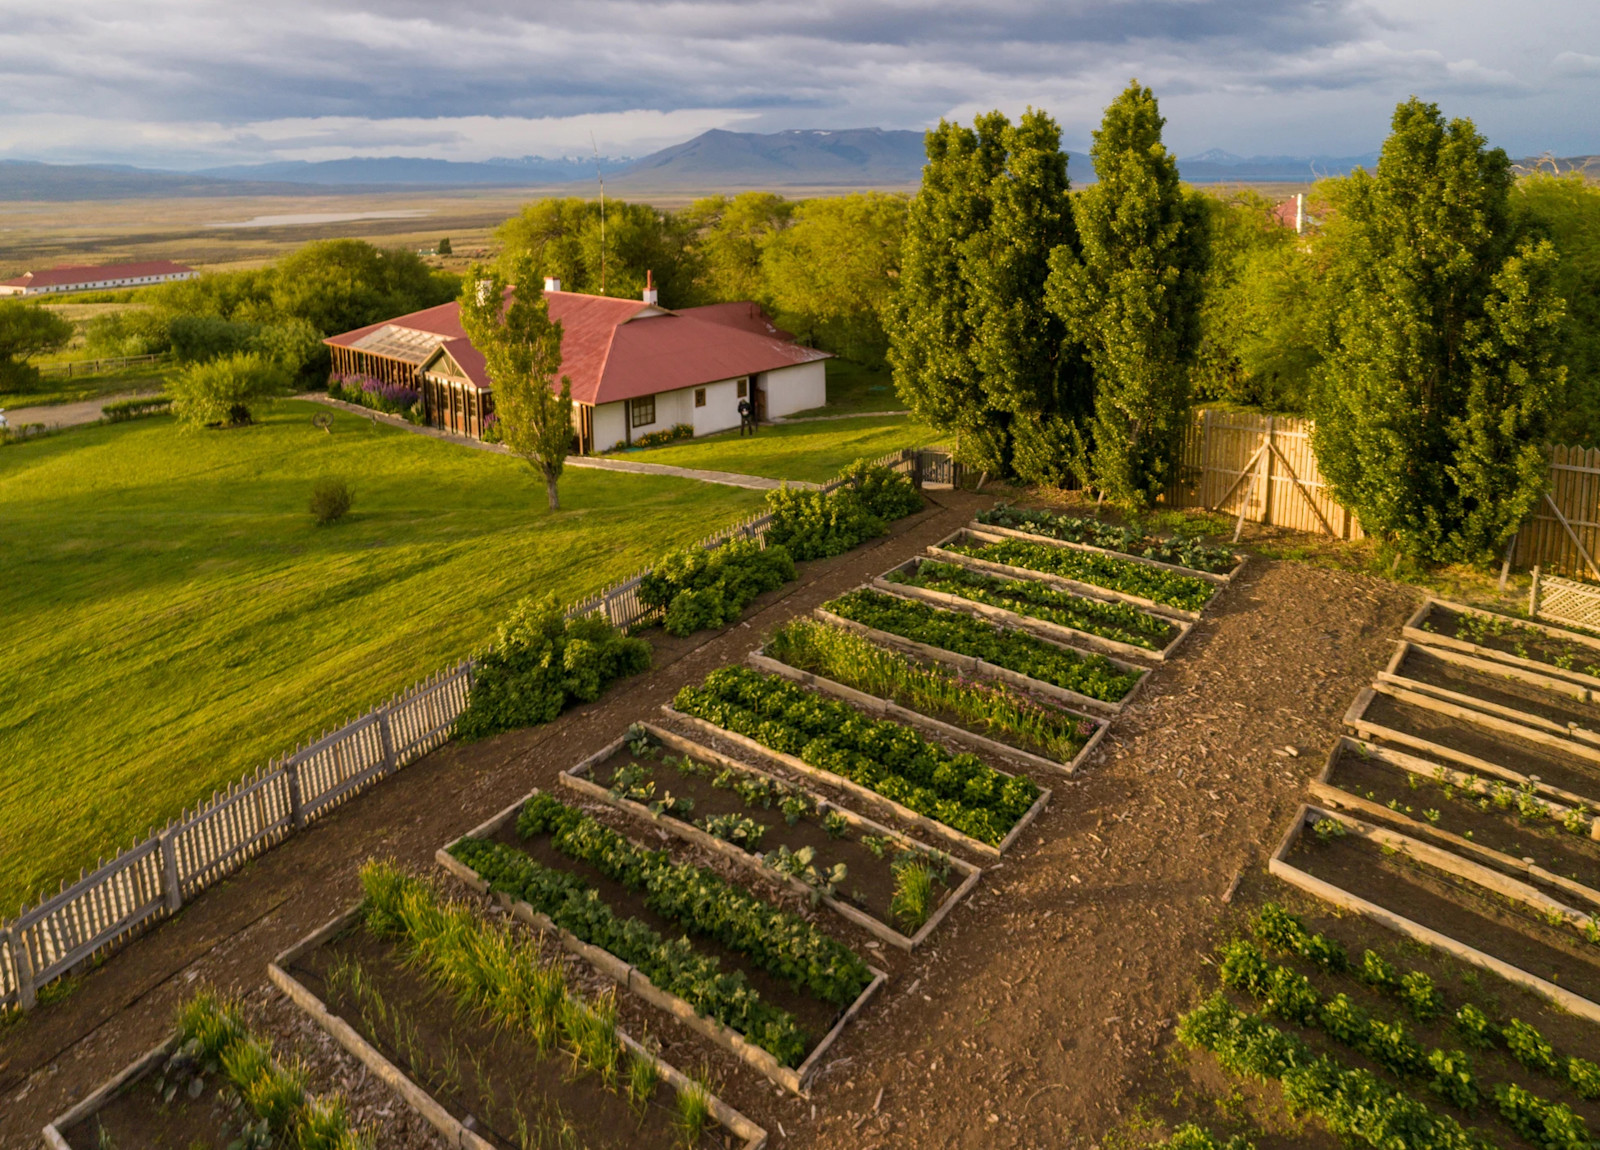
column 614, row 349
column 57, row 277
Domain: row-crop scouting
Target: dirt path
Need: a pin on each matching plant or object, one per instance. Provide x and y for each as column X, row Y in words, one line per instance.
column 1024, row 1020
column 69, row 414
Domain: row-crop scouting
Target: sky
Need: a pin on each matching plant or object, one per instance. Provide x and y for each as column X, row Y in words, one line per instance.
column 195, row 83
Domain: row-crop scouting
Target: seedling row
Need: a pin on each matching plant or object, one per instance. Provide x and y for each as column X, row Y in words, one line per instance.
column 1184, row 556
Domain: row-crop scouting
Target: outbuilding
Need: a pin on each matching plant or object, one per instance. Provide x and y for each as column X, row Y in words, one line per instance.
column 635, row 366
column 59, row 281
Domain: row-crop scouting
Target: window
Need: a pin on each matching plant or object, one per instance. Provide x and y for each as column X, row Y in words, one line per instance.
column 699, row 397
column 744, row 387
column 643, row 411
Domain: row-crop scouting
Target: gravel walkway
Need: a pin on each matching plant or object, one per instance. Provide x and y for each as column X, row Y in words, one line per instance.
column 69, row 414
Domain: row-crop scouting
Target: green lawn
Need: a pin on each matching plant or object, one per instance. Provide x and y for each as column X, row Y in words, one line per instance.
column 813, row 451
column 174, row 618
column 855, row 387
column 55, row 389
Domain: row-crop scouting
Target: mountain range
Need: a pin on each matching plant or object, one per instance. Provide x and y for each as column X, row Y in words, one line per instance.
column 713, row 161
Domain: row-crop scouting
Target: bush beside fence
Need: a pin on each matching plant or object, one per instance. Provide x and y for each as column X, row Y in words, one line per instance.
column 152, row 880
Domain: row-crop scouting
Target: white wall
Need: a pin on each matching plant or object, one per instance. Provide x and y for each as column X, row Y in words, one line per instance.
column 797, row 388
column 607, row 426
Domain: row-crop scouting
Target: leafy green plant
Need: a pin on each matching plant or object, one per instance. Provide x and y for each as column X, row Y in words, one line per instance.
column 801, row 864
column 1092, row 675
column 933, row 689
column 540, row 663
column 835, row 824
column 812, row 525
column 741, row 830
column 694, row 1109
column 887, row 757
column 700, row 588
column 1188, row 1136
column 1187, row 592
column 1180, row 551
column 330, row 500
column 1116, row 620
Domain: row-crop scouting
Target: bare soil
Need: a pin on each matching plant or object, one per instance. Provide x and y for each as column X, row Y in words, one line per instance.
column 1526, row 757
column 1501, row 690
column 1034, row 1014
column 868, row 885
column 1513, row 639
column 1540, row 839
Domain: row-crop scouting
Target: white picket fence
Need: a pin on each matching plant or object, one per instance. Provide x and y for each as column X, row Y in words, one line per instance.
column 152, row 880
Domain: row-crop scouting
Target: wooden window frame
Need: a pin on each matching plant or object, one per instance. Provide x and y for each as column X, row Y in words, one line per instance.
column 744, row 387
column 639, row 407
column 699, row 397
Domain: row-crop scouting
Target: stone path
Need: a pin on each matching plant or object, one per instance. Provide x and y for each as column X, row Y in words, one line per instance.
column 724, row 478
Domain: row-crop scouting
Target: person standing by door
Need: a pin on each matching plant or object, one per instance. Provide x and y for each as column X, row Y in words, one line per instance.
column 747, row 418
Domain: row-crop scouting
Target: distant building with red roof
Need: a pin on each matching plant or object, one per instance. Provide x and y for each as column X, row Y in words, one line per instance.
column 54, row 281
column 635, row 366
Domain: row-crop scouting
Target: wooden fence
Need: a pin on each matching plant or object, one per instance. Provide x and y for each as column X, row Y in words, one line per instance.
column 1563, row 535
column 78, row 367
column 152, row 880
column 1260, row 468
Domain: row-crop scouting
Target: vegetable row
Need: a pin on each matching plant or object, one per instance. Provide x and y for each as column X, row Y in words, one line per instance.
column 1185, row 592
column 888, row 758
column 1183, row 552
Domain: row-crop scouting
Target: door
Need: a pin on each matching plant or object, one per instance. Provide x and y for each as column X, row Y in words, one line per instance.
column 758, row 392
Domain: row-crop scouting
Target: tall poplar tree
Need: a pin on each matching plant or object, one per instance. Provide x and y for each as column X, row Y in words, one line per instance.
column 973, row 349
column 1436, row 390
column 1131, row 296
column 521, row 349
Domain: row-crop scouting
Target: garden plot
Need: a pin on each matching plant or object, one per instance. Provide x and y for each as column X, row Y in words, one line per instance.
column 1371, row 1035
column 1183, row 556
column 1553, row 651
column 211, row 1084
column 481, row 1035
column 993, row 718
column 1110, row 626
column 1509, row 828
column 889, row 765
column 1458, row 906
column 1522, row 696
column 884, row 882
column 1116, row 577
column 763, row 983
column 1563, row 768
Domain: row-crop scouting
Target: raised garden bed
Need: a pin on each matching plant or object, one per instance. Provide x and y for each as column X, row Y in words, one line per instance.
column 1096, row 621
column 211, row 1084
column 1182, row 556
column 1564, row 769
column 885, row 763
column 944, row 706
column 503, row 1066
column 1466, row 910
column 757, row 820
column 1554, row 651
column 1512, row 693
column 751, row 981
column 1164, row 592
column 1510, row 829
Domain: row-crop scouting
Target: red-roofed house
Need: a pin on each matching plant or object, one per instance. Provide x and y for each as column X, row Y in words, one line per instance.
column 68, row 279
column 635, row 367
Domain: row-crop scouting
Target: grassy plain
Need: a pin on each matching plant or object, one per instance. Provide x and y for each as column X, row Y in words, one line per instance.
column 809, row 451
column 56, row 388
column 174, row 618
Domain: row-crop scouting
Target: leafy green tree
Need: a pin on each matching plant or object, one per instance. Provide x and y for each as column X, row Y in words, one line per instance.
column 1436, row 392
column 563, row 238
column 444, row 248
column 973, row 349
column 731, row 237
column 226, row 391
column 135, row 331
column 521, row 349
column 830, row 275
column 1566, row 211
column 339, row 285
column 27, row 330
column 1132, row 299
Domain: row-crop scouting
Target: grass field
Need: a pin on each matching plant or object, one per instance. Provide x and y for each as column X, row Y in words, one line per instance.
column 809, row 451
column 54, row 389
column 174, row 618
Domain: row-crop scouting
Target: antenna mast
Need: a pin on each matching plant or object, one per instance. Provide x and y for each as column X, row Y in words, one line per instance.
column 601, row 176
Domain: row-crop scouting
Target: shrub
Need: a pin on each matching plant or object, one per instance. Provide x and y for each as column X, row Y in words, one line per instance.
column 330, row 499
column 225, row 391
column 816, row 526
column 125, row 409
column 700, row 588
column 657, row 438
column 540, row 662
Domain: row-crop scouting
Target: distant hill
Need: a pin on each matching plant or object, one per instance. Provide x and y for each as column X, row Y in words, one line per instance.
column 1219, row 167
column 852, row 157
column 27, row 180
column 403, row 171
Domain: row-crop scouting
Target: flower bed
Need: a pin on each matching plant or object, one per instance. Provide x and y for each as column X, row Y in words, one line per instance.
column 789, row 982
column 1123, row 624
column 211, row 1083
column 933, row 690
column 953, row 792
column 877, row 878
column 1176, row 552
column 379, row 395
column 482, row 1035
column 1093, row 676
column 1137, row 582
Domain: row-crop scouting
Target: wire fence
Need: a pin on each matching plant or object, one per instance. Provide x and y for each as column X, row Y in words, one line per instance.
column 152, row 880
